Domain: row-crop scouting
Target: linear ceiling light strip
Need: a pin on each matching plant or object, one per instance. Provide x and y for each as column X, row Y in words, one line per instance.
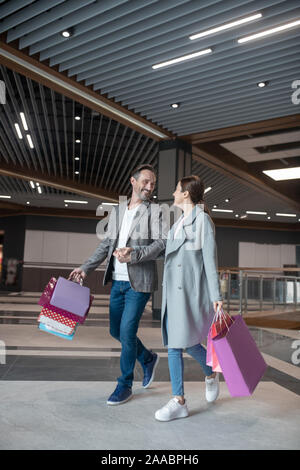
column 84, row 95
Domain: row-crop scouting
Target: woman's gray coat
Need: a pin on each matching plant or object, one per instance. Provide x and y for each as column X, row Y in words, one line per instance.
column 190, row 281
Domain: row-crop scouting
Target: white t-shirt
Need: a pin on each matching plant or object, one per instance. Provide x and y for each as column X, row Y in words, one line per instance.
column 120, row 272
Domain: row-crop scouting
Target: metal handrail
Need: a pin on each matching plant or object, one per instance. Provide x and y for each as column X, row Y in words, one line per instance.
column 244, row 276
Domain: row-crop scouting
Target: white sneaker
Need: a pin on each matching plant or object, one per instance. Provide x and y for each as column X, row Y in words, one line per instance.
column 212, row 388
column 172, row 410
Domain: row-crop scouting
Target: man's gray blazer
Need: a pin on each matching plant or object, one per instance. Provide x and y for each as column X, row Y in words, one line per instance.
column 147, row 236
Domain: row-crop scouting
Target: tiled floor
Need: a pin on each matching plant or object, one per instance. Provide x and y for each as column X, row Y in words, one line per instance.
column 54, row 391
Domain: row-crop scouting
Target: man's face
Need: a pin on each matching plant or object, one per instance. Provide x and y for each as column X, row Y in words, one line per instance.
column 143, row 187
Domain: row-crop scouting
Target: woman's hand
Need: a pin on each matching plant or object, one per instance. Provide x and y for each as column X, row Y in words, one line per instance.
column 218, row 305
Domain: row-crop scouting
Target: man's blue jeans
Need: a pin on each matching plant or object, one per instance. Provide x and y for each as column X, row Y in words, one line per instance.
column 125, row 310
column 176, row 367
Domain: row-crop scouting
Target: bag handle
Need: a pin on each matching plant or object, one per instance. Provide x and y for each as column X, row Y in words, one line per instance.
column 219, row 315
column 76, row 282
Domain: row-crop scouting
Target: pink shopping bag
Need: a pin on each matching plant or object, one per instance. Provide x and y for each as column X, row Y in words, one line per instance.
column 219, row 326
column 242, row 363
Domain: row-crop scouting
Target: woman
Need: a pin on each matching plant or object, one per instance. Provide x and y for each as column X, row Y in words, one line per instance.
column 190, row 293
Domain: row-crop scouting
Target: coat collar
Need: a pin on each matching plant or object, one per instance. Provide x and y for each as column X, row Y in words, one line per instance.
column 175, row 244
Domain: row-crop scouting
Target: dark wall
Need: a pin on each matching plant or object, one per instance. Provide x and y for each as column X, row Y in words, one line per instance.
column 228, row 239
column 13, row 247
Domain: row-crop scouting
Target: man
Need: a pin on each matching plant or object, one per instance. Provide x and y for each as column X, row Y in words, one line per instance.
column 136, row 236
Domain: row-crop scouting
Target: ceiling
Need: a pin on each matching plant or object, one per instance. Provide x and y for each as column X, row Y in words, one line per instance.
column 103, row 73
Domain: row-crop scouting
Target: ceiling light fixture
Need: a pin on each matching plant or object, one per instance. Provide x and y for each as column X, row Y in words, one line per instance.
column 67, row 33
column 77, row 118
column 256, row 213
column 27, row 202
column 75, row 202
column 182, row 58
column 24, row 121
column 30, row 141
column 175, row 105
column 39, row 190
column 225, row 26
column 268, row 32
column 5, row 197
column 76, row 172
column 18, row 131
column 222, row 210
column 76, row 158
column 32, row 184
column 243, row 216
column 77, row 141
column 283, row 173
column 207, row 189
column 262, row 84
column 227, row 199
column 109, row 204
column 285, row 215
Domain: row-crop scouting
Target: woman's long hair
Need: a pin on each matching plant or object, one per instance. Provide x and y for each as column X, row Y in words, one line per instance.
column 195, row 186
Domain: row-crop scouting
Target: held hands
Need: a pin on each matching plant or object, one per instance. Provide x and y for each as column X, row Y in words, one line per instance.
column 123, row 255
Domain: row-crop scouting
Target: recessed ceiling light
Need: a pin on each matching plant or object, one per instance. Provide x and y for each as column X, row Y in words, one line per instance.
column 18, row 131
column 77, row 118
column 284, row 173
column 154, row 197
column 182, row 58
column 66, row 205
column 76, row 158
column 27, row 202
column 76, row 172
column 175, row 105
column 227, row 199
column 39, row 190
column 32, row 184
column 215, row 206
column 24, row 121
column 286, row 215
column 207, row 189
column 256, row 213
column 262, row 84
column 236, row 215
column 225, row 26
column 268, row 32
column 77, row 141
column 5, row 197
column 109, row 204
column 244, row 216
column 67, row 33
column 268, row 217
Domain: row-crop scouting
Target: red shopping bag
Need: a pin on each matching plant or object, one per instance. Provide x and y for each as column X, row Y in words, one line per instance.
column 219, row 327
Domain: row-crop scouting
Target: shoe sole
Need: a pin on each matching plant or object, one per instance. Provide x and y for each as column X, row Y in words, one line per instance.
column 153, row 374
column 172, row 419
column 114, row 403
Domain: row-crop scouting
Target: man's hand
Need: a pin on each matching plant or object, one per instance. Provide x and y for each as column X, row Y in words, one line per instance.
column 77, row 274
column 123, row 255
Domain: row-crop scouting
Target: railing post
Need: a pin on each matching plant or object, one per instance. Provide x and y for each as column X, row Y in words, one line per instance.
column 260, row 292
column 228, row 291
column 246, row 293
column 295, row 293
column 241, row 291
column 274, row 292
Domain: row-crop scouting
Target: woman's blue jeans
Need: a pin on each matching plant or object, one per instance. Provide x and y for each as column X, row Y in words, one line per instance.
column 125, row 310
column 176, row 365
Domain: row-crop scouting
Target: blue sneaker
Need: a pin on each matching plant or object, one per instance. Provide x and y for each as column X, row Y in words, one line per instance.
column 120, row 395
column 149, row 370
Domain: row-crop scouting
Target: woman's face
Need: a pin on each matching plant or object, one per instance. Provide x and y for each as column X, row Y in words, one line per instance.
column 179, row 196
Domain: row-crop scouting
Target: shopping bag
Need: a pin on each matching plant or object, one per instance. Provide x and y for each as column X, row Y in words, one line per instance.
column 71, row 297
column 57, row 321
column 211, row 356
column 220, row 325
column 47, row 293
column 242, row 363
column 52, row 331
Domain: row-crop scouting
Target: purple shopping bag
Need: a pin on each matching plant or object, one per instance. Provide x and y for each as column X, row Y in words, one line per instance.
column 71, row 296
column 242, row 363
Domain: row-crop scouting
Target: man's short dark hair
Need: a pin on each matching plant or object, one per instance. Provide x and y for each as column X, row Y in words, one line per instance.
column 136, row 173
